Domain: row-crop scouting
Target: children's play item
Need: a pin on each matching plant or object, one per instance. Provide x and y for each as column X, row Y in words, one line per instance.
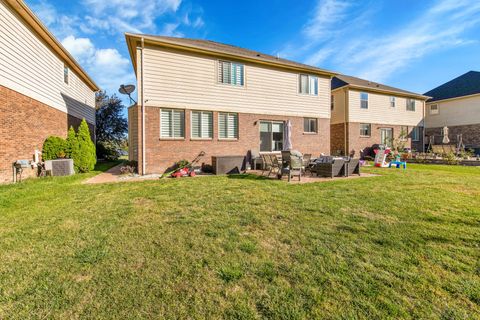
column 381, row 157
column 398, row 164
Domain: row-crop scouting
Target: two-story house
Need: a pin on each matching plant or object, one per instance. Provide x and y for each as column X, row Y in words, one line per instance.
column 365, row 114
column 43, row 90
column 198, row 95
column 456, row 105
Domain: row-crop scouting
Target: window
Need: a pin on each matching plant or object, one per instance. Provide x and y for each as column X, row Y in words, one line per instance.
column 365, row 129
column 332, row 102
column 271, row 136
column 228, row 125
column 410, row 105
column 231, row 73
column 310, row 125
column 415, row 134
column 403, row 133
column 202, row 125
column 386, row 136
column 65, row 74
column 434, row 109
column 172, row 123
column 308, row 85
column 364, row 100
column 392, row 102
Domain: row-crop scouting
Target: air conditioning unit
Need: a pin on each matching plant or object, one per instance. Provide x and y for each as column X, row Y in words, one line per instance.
column 60, row 167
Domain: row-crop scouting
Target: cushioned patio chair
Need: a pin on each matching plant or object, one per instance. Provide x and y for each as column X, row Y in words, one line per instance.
column 292, row 164
column 331, row 169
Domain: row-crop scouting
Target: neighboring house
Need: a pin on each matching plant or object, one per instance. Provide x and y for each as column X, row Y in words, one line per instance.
column 365, row 114
column 198, row 95
column 43, row 90
column 455, row 104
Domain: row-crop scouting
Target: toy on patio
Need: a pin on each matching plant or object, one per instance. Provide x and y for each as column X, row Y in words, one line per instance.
column 381, row 157
column 185, row 168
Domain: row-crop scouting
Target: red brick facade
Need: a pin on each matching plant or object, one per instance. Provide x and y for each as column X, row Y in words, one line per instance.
column 356, row 142
column 161, row 154
column 25, row 124
column 470, row 134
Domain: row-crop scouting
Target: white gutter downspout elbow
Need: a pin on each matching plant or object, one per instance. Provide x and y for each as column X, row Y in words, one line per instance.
column 143, row 108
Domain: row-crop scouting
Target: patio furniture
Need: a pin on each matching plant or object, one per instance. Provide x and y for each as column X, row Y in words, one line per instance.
column 352, row 167
column 255, row 158
column 326, row 168
column 398, row 164
column 292, row 164
column 275, row 166
column 266, row 163
column 307, row 158
column 228, row 164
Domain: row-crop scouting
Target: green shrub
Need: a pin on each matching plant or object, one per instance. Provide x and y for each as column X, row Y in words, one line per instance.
column 107, row 151
column 84, row 160
column 71, row 143
column 54, row 148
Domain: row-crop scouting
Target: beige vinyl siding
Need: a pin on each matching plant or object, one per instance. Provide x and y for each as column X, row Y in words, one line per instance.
column 379, row 110
column 28, row 66
column 186, row 80
column 454, row 112
column 338, row 113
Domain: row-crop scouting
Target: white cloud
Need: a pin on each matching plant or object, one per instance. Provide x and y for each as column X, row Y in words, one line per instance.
column 328, row 14
column 107, row 66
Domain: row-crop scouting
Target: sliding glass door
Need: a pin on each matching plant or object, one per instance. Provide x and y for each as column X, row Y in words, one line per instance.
column 386, row 136
column 271, row 136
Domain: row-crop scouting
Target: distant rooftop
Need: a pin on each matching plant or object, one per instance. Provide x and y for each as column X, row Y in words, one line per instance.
column 342, row 80
column 465, row 85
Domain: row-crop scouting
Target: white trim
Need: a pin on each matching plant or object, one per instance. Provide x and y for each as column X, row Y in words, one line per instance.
column 455, row 98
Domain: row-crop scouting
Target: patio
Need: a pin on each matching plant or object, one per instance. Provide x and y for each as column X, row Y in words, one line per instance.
column 307, row 178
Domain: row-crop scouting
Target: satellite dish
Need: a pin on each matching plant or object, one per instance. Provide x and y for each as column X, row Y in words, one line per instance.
column 127, row 90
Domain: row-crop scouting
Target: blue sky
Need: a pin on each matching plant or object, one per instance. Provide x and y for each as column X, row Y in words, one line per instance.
column 413, row 45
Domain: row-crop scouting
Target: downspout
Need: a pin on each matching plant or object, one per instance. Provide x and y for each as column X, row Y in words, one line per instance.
column 345, row 123
column 424, row 125
column 143, row 108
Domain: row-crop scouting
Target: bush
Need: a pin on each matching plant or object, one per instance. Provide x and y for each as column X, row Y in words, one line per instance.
column 107, row 151
column 54, row 148
column 84, row 160
column 71, row 143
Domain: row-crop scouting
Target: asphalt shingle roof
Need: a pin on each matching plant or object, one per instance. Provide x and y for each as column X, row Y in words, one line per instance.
column 218, row 47
column 343, row 80
column 464, row 85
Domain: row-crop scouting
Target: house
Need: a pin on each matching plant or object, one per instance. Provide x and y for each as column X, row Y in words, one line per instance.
column 366, row 113
column 198, row 95
column 43, row 90
column 456, row 105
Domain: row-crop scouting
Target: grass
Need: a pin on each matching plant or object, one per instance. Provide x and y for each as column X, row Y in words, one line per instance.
column 402, row 245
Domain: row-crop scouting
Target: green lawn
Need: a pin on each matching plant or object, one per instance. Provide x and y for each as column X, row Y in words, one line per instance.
column 401, row 245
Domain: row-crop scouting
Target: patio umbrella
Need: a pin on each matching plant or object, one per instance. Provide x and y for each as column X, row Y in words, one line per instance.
column 445, row 135
column 287, row 136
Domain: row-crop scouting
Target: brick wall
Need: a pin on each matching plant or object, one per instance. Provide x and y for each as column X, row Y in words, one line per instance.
column 337, row 138
column 161, row 154
column 470, row 135
column 25, row 124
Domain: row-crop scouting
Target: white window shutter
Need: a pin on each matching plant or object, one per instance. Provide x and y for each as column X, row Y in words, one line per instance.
column 165, row 123
column 178, row 124
column 196, row 133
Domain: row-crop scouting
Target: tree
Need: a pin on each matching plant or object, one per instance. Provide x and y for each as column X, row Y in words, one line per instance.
column 111, row 125
column 85, row 159
column 72, row 144
column 53, row 148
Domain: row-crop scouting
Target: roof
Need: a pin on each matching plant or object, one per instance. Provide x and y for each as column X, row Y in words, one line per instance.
column 342, row 80
column 31, row 19
column 464, row 85
column 220, row 49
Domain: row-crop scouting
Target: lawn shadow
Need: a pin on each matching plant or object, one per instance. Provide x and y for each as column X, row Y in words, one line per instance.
column 247, row 176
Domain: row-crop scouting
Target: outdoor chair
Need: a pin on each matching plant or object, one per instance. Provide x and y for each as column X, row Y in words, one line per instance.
column 307, row 158
column 275, row 164
column 267, row 163
column 292, row 164
column 352, row 167
column 255, row 158
column 333, row 168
